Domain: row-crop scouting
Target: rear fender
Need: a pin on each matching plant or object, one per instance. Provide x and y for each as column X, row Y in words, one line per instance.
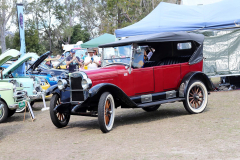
column 194, row 76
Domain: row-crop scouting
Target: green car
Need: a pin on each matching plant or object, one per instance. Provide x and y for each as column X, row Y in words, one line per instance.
column 32, row 85
column 12, row 94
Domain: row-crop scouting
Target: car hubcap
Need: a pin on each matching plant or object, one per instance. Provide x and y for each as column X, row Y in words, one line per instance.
column 1, row 110
column 196, row 97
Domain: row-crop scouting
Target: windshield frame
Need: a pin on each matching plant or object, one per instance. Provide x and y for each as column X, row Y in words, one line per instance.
column 120, row 63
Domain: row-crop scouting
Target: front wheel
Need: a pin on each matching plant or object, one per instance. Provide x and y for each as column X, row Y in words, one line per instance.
column 3, row 111
column 196, row 98
column 151, row 108
column 58, row 119
column 106, row 112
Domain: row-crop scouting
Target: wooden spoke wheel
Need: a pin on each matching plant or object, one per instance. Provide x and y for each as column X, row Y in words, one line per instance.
column 58, row 119
column 196, row 98
column 106, row 112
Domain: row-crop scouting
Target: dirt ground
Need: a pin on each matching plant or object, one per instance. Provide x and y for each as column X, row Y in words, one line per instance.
column 168, row 133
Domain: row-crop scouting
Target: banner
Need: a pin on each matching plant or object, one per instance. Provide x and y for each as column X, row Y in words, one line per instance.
column 21, row 69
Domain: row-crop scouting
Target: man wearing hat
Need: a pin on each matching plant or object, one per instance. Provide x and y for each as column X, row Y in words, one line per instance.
column 92, row 61
column 73, row 62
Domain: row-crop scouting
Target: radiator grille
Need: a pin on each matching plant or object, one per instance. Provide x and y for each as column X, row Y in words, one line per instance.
column 20, row 96
column 76, row 84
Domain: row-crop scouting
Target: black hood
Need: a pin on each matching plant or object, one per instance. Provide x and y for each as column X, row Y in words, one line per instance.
column 39, row 61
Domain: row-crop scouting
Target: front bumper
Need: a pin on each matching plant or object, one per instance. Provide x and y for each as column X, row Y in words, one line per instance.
column 16, row 105
column 37, row 96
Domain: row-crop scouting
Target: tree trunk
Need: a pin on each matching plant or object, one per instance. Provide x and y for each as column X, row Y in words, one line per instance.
column 3, row 43
column 3, row 28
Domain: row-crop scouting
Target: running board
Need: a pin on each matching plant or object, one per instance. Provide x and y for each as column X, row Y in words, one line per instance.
column 160, row 102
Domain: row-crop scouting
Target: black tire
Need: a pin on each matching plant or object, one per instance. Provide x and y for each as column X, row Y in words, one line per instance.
column 106, row 112
column 11, row 112
column 151, row 108
column 58, row 119
column 3, row 111
column 196, row 98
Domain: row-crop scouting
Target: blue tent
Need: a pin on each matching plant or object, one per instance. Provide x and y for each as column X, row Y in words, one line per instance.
column 168, row 17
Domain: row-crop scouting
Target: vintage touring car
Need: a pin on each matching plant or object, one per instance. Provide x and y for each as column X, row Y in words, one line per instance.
column 127, row 79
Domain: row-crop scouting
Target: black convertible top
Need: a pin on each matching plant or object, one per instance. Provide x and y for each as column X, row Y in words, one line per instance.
column 195, row 54
column 158, row 37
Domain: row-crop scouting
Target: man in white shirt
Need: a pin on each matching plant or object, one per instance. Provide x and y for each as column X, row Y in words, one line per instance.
column 92, row 61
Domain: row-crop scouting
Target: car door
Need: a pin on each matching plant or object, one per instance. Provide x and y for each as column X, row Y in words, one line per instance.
column 143, row 80
column 171, row 76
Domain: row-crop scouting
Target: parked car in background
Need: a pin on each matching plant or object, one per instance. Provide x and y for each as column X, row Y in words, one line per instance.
column 12, row 94
column 129, row 80
column 38, row 68
column 31, row 84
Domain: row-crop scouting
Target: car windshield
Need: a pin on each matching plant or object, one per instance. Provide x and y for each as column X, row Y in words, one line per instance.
column 116, row 55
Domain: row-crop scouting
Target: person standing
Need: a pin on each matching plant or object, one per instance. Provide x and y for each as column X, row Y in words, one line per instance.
column 73, row 62
column 86, row 54
column 92, row 61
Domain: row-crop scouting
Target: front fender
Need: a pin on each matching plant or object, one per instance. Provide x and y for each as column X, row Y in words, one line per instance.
column 96, row 91
column 194, row 76
column 52, row 89
column 118, row 94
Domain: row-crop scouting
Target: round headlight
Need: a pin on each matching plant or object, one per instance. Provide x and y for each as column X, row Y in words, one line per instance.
column 62, row 84
column 86, row 83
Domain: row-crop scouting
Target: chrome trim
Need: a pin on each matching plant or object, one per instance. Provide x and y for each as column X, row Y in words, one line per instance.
column 89, row 84
column 181, row 90
column 1, row 106
column 37, row 96
column 64, row 84
column 19, row 95
column 146, row 98
column 75, row 90
column 13, row 106
column 4, row 89
column 170, row 94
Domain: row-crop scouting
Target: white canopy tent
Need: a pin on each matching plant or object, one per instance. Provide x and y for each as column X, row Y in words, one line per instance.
column 198, row 2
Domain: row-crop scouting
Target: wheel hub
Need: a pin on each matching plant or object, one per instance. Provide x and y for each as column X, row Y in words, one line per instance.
column 196, row 97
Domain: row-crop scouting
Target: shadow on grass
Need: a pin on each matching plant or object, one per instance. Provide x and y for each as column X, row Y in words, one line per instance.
column 132, row 116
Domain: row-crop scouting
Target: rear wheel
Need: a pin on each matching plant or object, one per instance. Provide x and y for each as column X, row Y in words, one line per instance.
column 106, row 112
column 196, row 98
column 151, row 108
column 58, row 119
column 3, row 111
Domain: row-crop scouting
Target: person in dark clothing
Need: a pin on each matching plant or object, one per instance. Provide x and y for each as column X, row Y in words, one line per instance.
column 73, row 62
